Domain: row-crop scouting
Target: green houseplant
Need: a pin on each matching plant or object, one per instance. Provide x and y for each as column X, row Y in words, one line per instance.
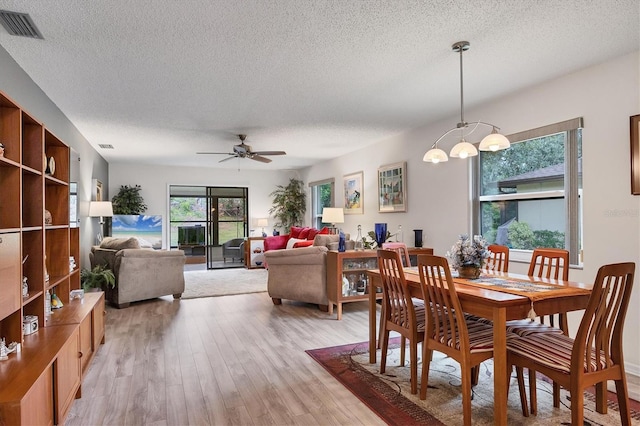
column 99, row 277
column 289, row 203
column 128, row 200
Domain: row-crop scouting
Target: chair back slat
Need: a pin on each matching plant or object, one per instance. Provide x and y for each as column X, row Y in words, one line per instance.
column 598, row 343
column 499, row 259
column 444, row 317
column 402, row 249
column 398, row 306
column 549, row 263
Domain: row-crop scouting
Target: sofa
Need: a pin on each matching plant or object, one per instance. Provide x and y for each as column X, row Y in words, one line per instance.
column 300, row 274
column 141, row 273
column 296, row 238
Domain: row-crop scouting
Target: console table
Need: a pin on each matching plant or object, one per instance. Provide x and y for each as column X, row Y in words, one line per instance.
column 353, row 265
column 254, row 252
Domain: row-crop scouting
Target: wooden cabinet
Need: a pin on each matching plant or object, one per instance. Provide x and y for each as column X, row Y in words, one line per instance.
column 254, row 252
column 347, row 278
column 39, row 383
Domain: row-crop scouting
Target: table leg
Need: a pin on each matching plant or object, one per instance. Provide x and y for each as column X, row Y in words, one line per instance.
column 500, row 378
column 372, row 324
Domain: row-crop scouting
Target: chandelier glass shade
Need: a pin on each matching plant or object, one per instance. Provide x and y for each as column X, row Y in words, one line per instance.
column 463, row 149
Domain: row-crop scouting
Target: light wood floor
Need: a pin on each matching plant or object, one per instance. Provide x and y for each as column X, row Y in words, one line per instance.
column 220, row 361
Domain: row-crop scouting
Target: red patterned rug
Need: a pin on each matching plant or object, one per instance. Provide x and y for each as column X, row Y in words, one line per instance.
column 389, row 395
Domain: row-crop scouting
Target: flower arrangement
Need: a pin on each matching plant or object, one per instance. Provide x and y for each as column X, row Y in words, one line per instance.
column 469, row 252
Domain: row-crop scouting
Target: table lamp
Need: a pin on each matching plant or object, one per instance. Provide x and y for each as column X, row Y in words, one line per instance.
column 262, row 222
column 333, row 215
column 100, row 209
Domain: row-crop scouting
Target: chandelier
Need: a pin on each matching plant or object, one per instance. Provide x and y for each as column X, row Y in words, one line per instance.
column 463, row 149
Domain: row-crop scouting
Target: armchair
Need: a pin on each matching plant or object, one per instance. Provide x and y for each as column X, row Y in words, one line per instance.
column 233, row 249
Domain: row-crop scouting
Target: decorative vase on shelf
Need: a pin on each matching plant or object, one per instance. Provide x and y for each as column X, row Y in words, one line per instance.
column 381, row 233
column 359, row 246
column 418, row 238
column 469, row 271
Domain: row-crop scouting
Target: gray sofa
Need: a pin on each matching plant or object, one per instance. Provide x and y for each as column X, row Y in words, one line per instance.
column 140, row 273
column 301, row 273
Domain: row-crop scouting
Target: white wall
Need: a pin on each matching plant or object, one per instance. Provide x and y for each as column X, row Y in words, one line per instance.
column 155, row 181
column 605, row 95
column 19, row 87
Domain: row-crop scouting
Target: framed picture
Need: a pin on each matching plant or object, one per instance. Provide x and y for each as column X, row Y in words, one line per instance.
column 635, row 154
column 353, row 197
column 146, row 228
column 392, row 188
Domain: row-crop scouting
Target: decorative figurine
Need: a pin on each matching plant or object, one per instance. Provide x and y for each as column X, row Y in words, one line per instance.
column 4, row 351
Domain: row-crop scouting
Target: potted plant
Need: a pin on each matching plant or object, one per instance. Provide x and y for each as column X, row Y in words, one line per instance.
column 128, row 200
column 97, row 278
column 289, row 204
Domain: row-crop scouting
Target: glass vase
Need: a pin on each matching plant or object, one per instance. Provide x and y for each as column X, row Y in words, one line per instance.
column 381, row 233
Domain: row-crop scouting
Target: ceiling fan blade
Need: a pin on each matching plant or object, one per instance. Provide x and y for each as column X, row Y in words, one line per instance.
column 269, row 152
column 228, row 158
column 256, row 157
column 217, row 153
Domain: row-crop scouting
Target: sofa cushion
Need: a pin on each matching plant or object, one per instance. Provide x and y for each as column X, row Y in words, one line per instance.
column 303, row 243
column 304, row 234
column 295, row 231
column 292, row 242
column 120, row 243
column 276, row 242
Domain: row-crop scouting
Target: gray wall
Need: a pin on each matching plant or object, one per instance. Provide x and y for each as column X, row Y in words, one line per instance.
column 19, row 87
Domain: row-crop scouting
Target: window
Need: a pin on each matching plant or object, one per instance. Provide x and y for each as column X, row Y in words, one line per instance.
column 529, row 195
column 322, row 195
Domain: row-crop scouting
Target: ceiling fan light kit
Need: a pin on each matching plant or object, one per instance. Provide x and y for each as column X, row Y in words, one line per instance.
column 463, row 149
column 243, row 150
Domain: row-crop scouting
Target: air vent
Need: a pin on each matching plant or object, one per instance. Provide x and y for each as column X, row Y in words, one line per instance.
column 105, row 145
column 19, row 24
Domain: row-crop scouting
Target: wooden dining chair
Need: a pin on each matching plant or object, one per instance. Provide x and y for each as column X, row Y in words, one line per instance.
column 595, row 355
column 550, row 263
column 400, row 248
column 499, row 259
column 468, row 342
column 399, row 313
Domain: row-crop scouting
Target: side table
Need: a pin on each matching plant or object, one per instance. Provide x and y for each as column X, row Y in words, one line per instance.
column 254, row 252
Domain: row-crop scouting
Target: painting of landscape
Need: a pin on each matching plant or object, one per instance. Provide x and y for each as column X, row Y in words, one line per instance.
column 147, row 228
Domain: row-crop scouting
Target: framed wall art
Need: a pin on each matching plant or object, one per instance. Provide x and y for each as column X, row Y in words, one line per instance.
column 353, row 197
column 635, row 154
column 392, row 188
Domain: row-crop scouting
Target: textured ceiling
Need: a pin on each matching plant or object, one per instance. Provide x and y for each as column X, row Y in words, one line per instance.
column 161, row 79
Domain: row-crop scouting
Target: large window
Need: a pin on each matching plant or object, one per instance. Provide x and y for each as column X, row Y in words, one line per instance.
column 322, row 195
column 529, row 195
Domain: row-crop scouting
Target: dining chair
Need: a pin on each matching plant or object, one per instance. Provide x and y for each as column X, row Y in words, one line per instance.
column 447, row 331
column 399, row 313
column 400, row 248
column 550, row 263
column 595, row 355
column 499, row 259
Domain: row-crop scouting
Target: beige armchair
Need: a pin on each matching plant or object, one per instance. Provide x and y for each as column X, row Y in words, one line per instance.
column 301, row 273
column 140, row 273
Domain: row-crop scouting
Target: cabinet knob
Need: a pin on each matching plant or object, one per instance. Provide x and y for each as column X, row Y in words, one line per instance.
column 80, row 354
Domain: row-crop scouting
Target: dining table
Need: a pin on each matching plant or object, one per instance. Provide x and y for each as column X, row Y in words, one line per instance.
column 499, row 297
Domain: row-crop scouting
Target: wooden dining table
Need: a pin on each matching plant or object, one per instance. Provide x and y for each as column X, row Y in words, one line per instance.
column 498, row 306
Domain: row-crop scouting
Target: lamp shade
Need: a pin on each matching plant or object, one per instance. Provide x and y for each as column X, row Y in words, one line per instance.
column 100, row 208
column 332, row 215
column 494, row 141
column 435, row 155
column 463, row 149
column 262, row 222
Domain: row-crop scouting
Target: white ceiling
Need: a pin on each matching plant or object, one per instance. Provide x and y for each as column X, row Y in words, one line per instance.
column 162, row 79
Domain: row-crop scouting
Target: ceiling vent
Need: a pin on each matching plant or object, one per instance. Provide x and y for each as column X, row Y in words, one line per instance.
column 19, row 24
column 105, row 145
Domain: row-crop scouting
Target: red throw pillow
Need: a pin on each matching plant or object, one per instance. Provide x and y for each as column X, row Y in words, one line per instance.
column 295, row 232
column 304, row 233
column 276, row 242
column 312, row 234
column 305, row 243
column 324, row 231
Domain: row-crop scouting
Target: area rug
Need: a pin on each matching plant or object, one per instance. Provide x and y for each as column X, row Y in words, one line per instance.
column 389, row 395
column 224, row 282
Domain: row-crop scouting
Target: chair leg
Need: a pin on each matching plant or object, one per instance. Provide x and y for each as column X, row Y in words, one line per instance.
column 403, row 346
column 623, row 401
column 466, row 395
column 383, row 354
column 523, row 392
column 577, row 407
column 424, row 376
column 601, row 397
column 475, row 375
column 413, row 355
column 533, row 392
column 382, row 319
column 556, row 395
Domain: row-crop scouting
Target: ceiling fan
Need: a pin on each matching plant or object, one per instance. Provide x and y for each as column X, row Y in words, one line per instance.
column 243, row 150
